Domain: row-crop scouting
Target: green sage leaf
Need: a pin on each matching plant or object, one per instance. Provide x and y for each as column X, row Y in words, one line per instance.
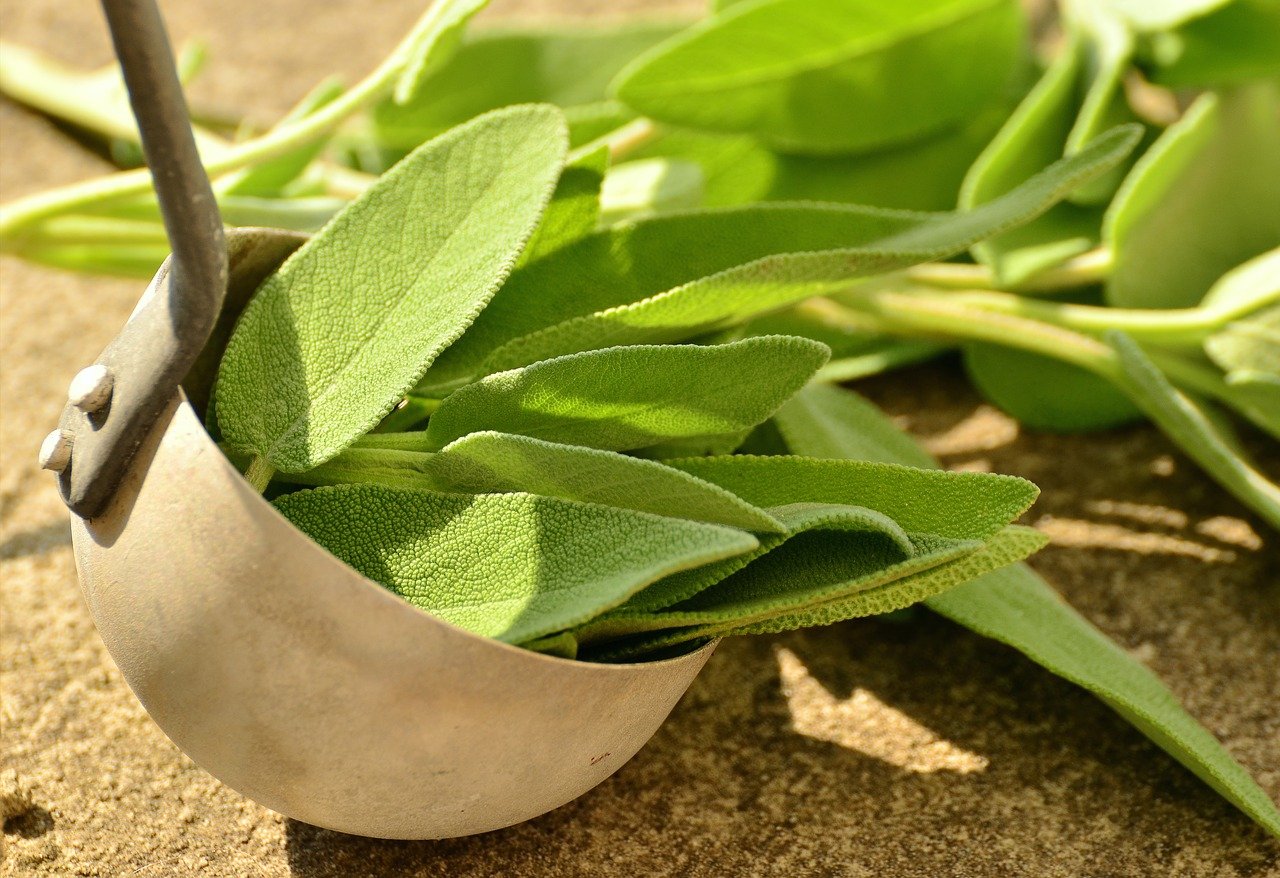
column 1231, row 46
column 509, row 566
column 874, row 241
column 1218, row 161
column 630, row 397
column 338, row 335
column 816, row 564
column 648, row 186
column 435, row 44
column 924, row 174
column 501, row 463
column 500, row 67
column 574, row 210
column 1018, row 608
column 858, row 528
column 1034, row 136
column 775, row 69
column 834, row 585
column 1061, row 397
column 1184, row 421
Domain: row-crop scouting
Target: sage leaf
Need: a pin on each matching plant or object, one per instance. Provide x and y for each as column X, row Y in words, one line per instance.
column 338, row 335
column 1107, row 46
column 898, row 72
column 861, row 594
column 1062, row 398
column 1250, row 343
column 499, row 67
column 630, row 397
column 837, row 424
column 874, row 241
column 817, row 563
column 435, row 44
column 1218, row 161
column 500, row 463
column 648, row 186
column 1184, row 421
column 924, row 174
column 1018, row 608
column 574, row 210
column 1034, row 135
column 859, row 528
column 964, row 506
column 1230, row 46
column 509, row 566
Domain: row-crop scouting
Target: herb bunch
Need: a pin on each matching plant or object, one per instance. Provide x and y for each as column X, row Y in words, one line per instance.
column 560, row 362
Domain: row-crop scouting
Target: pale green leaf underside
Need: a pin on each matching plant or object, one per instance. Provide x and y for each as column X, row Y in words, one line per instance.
column 897, row 71
column 1219, row 161
column 631, row 397
column 1018, row 608
column 965, row 506
column 350, row 322
column 494, row 463
column 510, row 566
column 873, row 242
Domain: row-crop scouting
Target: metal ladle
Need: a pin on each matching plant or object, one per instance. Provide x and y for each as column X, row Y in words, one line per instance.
column 273, row 665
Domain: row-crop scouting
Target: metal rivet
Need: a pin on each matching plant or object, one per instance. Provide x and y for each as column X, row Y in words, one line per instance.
column 90, row 390
column 55, row 451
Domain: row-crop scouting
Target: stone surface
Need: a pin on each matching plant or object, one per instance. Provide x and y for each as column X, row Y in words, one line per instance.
column 868, row 749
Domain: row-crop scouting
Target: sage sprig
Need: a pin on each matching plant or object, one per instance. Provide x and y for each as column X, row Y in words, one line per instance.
column 556, row 365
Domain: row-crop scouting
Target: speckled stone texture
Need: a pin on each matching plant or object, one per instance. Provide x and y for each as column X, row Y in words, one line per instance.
column 873, row 748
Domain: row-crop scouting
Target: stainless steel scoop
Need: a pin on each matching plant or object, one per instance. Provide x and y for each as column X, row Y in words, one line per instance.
column 276, row 667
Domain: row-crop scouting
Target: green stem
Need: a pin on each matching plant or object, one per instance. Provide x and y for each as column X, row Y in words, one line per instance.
column 259, row 473
column 1182, row 326
column 1084, row 270
column 893, row 355
column 278, row 141
column 904, row 313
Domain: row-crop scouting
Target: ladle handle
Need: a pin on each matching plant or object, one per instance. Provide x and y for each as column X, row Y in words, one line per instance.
column 115, row 403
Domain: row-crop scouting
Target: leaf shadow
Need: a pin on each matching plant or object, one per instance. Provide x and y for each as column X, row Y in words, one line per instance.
column 729, row 785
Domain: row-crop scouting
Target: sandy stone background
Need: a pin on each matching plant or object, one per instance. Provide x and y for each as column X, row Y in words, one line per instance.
column 866, row 749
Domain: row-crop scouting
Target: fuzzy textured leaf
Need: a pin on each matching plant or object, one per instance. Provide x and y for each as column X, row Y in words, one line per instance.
column 498, row 463
column 631, row 397
column 857, row 527
column 350, row 322
column 875, row 241
column 1018, row 608
column 510, row 566
column 774, row 69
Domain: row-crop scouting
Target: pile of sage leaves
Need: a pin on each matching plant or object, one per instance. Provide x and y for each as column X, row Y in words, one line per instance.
column 560, row 363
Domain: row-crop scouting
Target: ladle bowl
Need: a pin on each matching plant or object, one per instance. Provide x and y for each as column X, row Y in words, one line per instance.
column 313, row 690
